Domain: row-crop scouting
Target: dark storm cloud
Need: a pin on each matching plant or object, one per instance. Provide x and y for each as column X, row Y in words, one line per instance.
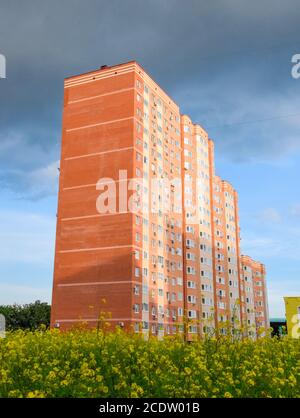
column 224, row 62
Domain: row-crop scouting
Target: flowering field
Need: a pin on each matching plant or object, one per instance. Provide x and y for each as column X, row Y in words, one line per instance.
column 91, row 364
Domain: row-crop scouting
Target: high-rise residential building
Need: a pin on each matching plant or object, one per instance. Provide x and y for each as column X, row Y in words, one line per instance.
column 225, row 227
column 147, row 233
column 197, row 234
column 254, row 300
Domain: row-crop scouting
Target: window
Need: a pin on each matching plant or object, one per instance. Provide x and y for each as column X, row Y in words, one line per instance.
column 187, row 165
column 190, row 270
column 191, row 284
column 179, row 281
column 190, row 243
column 190, row 256
column 161, row 260
column 193, row 329
column 192, row 314
column 180, row 312
column 191, row 298
column 137, row 272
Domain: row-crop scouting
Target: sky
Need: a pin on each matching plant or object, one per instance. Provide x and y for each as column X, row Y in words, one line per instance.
column 226, row 63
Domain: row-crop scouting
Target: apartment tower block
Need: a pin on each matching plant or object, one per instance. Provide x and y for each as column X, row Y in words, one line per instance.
column 147, row 234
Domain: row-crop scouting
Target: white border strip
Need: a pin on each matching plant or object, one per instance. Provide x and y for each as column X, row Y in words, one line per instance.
column 99, row 248
column 99, row 153
column 96, row 283
column 101, row 95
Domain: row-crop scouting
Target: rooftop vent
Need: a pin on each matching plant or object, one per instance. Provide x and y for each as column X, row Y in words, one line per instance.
column 103, row 66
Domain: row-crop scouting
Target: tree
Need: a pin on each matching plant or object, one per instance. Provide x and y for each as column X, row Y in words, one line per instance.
column 29, row 316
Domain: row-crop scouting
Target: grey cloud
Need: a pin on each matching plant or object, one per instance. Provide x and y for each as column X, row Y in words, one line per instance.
column 229, row 59
column 33, row 185
column 248, row 123
column 25, row 167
